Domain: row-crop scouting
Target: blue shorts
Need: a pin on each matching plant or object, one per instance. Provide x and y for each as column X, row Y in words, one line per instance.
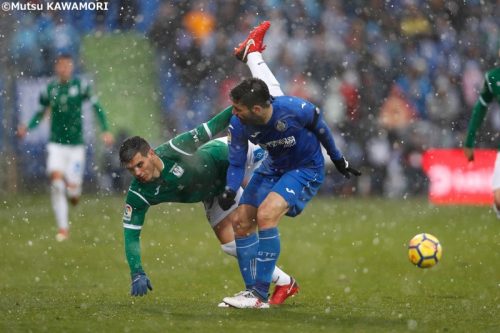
column 297, row 187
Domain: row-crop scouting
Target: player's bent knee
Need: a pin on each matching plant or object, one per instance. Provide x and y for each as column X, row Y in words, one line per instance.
column 234, row 220
column 244, row 221
column 242, row 229
column 269, row 214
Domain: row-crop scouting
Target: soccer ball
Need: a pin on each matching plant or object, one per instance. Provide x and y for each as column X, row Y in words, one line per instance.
column 424, row 250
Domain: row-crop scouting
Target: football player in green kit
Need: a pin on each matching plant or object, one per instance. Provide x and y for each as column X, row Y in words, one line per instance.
column 62, row 99
column 489, row 92
column 189, row 168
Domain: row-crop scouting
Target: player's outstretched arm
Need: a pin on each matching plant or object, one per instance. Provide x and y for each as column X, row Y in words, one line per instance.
column 187, row 142
column 478, row 114
column 140, row 281
column 133, row 220
column 238, row 149
column 320, row 128
column 34, row 122
column 39, row 115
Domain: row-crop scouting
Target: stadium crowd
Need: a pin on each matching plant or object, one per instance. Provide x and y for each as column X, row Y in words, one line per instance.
column 395, row 77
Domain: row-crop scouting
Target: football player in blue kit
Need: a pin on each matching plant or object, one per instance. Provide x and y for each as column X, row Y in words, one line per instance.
column 292, row 131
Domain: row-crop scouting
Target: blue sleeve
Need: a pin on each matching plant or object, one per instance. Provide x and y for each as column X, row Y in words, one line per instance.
column 315, row 122
column 238, row 147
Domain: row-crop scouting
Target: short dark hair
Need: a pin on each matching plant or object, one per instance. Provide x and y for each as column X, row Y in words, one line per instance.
column 64, row 56
column 250, row 92
column 131, row 146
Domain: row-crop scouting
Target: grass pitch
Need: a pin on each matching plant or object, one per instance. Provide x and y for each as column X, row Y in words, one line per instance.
column 349, row 257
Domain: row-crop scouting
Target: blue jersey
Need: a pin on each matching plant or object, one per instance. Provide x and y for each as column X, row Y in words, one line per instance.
column 291, row 137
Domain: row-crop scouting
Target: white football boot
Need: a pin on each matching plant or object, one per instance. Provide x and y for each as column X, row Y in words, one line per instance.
column 246, row 300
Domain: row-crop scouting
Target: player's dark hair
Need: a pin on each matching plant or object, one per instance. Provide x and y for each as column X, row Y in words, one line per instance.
column 131, row 146
column 64, row 56
column 250, row 92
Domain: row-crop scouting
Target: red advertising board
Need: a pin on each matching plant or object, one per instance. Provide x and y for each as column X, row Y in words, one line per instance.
column 454, row 180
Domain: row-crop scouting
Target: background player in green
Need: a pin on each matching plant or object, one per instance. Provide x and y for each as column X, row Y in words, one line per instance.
column 489, row 92
column 62, row 99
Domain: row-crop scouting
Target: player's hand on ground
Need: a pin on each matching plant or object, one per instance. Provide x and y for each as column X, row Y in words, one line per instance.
column 21, row 131
column 469, row 153
column 343, row 167
column 107, row 138
column 226, row 199
column 140, row 284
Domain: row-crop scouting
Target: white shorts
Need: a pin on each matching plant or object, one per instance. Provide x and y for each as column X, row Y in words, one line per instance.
column 496, row 173
column 214, row 212
column 67, row 159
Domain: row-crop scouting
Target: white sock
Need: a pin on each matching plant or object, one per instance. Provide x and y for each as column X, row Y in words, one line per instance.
column 279, row 277
column 259, row 69
column 59, row 203
column 229, row 248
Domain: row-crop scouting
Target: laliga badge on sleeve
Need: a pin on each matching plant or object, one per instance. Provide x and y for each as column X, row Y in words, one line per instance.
column 127, row 214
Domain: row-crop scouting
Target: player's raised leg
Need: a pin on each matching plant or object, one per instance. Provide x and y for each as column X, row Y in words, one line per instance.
column 253, row 43
column 250, row 52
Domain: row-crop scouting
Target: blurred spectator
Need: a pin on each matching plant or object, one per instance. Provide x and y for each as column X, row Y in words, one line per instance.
column 115, row 178
column 416, row 85
column 349, row 91
column 396, row 114
column 414, row 23
column 472, row 80
column 443, row 106
column 66, row 39
column 194, row 66
column 45, row 27
column 126, row 12
column 163, row 36
column 25, row 48
column 378, row 154
column 199, row 23
column 334, row 109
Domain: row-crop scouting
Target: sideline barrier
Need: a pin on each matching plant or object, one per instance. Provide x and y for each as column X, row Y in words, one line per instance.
column 454, row 180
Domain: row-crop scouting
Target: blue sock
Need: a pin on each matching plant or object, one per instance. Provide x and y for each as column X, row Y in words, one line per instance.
column 267, row 255
column 246, row 251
